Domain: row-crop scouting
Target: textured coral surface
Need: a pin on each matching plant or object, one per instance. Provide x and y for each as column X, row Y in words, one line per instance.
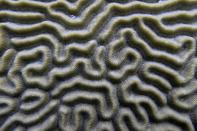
column 98, row 65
